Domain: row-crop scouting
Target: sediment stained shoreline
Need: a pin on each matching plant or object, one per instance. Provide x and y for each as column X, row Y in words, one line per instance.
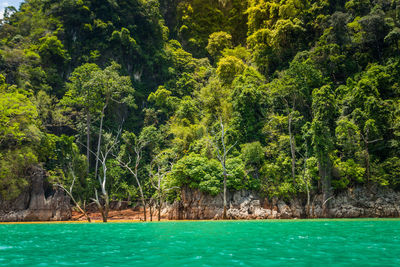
column 243, row 205
column 183, row 221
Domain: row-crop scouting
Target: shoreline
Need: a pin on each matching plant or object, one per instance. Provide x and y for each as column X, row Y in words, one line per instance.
column 244, row 205
column 233, row 220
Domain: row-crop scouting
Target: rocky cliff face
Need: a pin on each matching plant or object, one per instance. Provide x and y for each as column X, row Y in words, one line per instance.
column 33, row 205
column 355, row 203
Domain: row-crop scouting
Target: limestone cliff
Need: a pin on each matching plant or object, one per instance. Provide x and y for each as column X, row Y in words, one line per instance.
column 34, row 205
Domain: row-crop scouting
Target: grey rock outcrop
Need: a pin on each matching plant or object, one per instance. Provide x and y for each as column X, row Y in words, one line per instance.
column 195, row 205
column 361, row 202
column 33, row 205
column 353, row 203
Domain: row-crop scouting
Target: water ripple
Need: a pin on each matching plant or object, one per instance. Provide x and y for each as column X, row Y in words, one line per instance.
column 236, row 243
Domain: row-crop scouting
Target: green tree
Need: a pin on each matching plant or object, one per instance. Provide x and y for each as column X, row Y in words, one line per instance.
column 17, row 117
column 217, row 42
column 324, row 110
column 112, row 88
column 228, row 68
column 82, row 98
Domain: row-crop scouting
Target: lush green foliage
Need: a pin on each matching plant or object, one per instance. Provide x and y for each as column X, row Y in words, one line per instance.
column 307, row 90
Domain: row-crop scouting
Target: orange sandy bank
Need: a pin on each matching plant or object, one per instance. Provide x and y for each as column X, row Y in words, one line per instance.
column 127, row 215
column 116, row 215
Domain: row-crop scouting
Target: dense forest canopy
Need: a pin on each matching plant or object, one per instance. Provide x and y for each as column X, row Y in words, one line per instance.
column 137, row 99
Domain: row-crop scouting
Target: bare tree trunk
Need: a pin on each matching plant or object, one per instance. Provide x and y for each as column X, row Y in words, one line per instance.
column 326, row 185
column 141, row 194
column 159, row 208
column 103, row 210
column 151, row 213
column 88, row 140
column 307, row 187
column 83, row 212
column 140, row 189
column 292, row 150
column 69, row 193
column 221, row 155
column 144, row 210
column 106, row 207
column 135, row 174
column 308, row 202
column 103, row 181
column 223, row 161
column 100, row 207
column 225, row 202
column 99, row 140
column 160, row 174
column 367, row 162
column 159, row 197
column 367, row 156
column 138, row 151
column 84, row 208
column 103, row 215
column 104, row 191
column 76, row 203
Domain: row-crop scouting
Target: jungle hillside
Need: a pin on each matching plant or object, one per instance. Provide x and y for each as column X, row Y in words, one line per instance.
column 136, row 100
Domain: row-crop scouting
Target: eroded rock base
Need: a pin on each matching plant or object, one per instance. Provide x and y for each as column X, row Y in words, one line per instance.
column 33, row 205
column 355, row 203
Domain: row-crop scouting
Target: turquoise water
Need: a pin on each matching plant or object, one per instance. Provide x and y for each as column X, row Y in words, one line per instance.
column 233, row 243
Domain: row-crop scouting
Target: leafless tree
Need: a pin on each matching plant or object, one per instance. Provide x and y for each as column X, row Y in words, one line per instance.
column 101, row 156
column 138, row 150
column 306, row 181
column 151, row 203
column 292, row 147
column 99, row 139
column 156, row 178
column 291, row 114
column 367, row 142
column 69, row 190
column 222, row 153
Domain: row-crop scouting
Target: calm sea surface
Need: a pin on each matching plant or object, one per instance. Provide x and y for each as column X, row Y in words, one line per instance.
column 234, row 243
